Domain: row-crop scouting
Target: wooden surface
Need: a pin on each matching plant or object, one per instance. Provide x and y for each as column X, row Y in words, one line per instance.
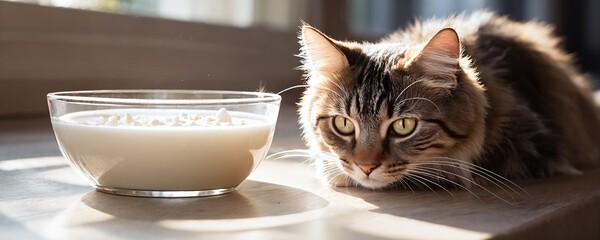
column 41, row 197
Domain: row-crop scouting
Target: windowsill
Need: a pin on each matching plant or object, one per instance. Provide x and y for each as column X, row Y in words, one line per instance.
column 42, row 197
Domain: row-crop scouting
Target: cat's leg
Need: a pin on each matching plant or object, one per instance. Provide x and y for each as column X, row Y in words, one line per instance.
column 563, row 167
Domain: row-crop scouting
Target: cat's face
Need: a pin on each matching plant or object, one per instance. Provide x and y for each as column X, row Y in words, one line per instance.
column 384, row 110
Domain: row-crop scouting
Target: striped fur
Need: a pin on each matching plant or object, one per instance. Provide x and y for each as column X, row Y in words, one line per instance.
column 507, row 100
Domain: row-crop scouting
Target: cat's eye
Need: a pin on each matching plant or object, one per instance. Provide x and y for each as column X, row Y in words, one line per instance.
column 343, row 125
column 404, row 126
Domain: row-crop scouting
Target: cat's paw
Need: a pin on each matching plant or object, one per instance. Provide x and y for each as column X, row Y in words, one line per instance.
column 564, row 168
column 341, row 180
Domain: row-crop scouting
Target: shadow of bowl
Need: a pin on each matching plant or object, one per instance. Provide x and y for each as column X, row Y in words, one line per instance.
column 251, row 199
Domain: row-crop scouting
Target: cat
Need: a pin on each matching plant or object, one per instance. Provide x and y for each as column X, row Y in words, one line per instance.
column 457, row 101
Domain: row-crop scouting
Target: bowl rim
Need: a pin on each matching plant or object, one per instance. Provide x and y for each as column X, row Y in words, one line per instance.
column 75, row 97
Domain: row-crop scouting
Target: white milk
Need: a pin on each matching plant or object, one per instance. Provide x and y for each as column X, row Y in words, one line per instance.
column 174, row 150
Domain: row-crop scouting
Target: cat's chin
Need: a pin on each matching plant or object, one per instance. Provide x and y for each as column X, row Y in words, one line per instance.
column 347, row 181
column 372, row 183
column 343, row 179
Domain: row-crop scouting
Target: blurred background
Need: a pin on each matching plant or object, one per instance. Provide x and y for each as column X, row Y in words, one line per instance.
column 55, row 45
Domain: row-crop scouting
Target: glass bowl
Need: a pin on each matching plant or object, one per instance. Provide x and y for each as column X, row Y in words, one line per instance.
column 164, row 143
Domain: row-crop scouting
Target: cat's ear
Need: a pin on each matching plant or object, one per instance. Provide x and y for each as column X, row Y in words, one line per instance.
column 440, row 56
column 321, row 54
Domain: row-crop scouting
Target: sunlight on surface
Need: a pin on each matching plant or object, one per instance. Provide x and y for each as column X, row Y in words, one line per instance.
column 30, row 163
column 27, row 212
column 78, row 214
column 45, row 177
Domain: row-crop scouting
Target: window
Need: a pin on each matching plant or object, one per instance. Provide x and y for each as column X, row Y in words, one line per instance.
column 54, row 45
column 275, row 14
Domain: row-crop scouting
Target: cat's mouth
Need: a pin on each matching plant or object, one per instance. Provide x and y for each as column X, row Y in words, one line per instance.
column 375, row 180
column 381, row 177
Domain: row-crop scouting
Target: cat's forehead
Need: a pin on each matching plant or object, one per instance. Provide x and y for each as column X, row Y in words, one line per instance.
column 381, row 51
column 372, row 86
column 373, row 66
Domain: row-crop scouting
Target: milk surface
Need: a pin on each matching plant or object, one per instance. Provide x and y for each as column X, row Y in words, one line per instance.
column 162, row 149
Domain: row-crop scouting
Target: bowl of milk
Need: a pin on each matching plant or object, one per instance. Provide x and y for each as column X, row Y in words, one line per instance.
column 164, row 143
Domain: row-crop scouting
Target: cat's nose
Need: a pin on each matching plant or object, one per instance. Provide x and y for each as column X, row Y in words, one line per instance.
column 368, row 168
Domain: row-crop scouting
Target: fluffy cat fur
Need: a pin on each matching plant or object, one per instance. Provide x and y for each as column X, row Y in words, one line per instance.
column 492, row 99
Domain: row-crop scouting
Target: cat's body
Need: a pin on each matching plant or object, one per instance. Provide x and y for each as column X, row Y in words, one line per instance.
column 434, row 103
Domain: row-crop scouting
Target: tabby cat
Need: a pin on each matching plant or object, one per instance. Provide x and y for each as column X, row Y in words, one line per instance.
column 458, row 101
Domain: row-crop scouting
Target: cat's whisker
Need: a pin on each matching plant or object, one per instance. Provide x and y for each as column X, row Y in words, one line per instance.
column 348, row 180
column 339, row 177
column 328, row 170
column 408, row 176
column 466, row 179
column 293, row 87
column 419, row 183
column 409, row 85
column 329, row 160
column 406, row 184
column 336, row 83
column 330, row 90
column 329, row 163
column 288, row 156
column 436, row 176
column 331, row 170
column 421, row 98
column 400, row 183
column 334, row 178
column 487, row 171
column 323, row 154
column 432, row 182
column 302, row 153
column 329, row 167
column 331, row 180
column 307, row 158
column 289, row 153
column 307, row 161
column 478, row 173
column 409, row 187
